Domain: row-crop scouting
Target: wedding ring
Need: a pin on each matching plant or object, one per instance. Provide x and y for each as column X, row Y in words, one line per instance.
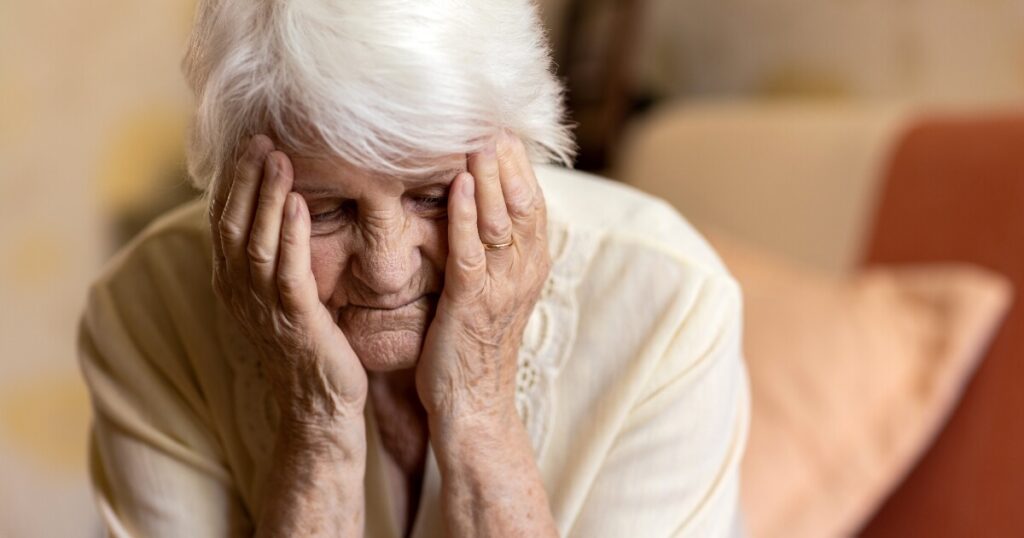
column 498, row 246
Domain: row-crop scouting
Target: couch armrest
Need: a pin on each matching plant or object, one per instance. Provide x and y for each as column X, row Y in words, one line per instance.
column 954, row 190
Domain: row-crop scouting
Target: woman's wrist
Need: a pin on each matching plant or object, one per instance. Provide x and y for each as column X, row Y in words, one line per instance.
column 465, row 434
column 339, row 438
column 315, row 488
column 465, row 417
column 490, row 482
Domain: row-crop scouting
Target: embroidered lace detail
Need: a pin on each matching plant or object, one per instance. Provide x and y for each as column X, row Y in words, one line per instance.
column 550, row 331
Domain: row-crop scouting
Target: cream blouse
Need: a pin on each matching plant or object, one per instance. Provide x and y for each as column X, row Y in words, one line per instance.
column 631, row 382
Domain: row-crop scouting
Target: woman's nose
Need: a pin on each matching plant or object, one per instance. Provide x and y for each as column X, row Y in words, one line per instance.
column 388, row 258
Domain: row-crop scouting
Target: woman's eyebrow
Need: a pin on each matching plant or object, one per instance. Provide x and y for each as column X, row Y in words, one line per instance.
column 446, row 174
column 314, row 191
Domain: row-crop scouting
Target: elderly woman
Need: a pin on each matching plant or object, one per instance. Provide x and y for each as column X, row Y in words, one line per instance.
column 389, row 318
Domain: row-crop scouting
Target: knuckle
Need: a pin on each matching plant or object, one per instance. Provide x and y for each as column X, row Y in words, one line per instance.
column 470, row 264
column 520, row 199
column 498, row 229
column 229, row 229
column 289, row 282
column 258, row 253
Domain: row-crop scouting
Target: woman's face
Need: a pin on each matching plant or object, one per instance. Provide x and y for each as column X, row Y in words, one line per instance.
column 379, row 246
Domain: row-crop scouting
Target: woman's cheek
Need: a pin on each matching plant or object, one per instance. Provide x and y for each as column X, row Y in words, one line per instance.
column 435, row 244
column 327, row 262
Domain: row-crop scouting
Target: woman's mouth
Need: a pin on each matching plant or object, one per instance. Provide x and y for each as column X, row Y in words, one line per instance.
column 402, row 314
column 389, row 305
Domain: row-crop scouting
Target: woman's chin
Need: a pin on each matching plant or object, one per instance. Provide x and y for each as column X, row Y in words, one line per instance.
column 387, row 351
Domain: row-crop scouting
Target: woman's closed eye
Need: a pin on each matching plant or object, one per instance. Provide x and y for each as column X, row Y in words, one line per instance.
column 432, row 201
column 333, row 211
column 329, row 215
column 326, row 216
column 431, row 204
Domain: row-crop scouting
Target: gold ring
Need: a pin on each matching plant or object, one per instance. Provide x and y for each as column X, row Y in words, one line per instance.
column 498, row 246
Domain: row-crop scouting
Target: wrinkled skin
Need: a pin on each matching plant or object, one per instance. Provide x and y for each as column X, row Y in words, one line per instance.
column 344, row 274
column 335, row 273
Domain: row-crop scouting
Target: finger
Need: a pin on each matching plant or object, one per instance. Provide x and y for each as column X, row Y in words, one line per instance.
column 518, row 182
column 264, row 240
column 222, row 184
column 295, row 282
column 220, row 189
column 466, row 259
column 236, row 220
column 493, row 222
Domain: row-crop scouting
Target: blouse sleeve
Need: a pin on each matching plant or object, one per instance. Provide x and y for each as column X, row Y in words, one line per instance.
column 673, row 469
column 157, row 467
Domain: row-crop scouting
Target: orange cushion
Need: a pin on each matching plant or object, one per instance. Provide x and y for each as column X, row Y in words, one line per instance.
column 954, row 190
column 851, row 378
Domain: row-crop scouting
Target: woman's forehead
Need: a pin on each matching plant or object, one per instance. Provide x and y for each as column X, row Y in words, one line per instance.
column 315, row 158
column 316, row 173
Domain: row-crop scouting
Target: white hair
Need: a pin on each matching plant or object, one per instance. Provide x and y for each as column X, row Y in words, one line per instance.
column 390, row 86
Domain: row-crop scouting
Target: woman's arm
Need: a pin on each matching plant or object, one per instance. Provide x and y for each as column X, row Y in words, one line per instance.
column 156, row 463
column 490, row 483
column 466, row 374
column 262, row 273
column 316, row 487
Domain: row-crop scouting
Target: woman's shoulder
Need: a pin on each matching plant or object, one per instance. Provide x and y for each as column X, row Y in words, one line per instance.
column 175, row 240
column 637, row 299
column 624, row 220
column 163, row 273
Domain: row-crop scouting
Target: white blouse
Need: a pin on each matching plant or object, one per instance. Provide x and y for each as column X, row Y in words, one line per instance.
column 631, row 382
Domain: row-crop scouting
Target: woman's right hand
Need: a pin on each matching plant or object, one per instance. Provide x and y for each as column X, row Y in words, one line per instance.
column 262, row 272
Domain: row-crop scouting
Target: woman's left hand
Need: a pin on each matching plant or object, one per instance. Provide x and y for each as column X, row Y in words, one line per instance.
column 468, row 363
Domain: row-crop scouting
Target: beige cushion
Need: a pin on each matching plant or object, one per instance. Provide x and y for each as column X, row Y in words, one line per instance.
column 798, row 178
column 851, row 379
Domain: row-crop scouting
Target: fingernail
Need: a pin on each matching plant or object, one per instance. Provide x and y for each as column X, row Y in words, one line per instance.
column 468, row 184
column 293, row 205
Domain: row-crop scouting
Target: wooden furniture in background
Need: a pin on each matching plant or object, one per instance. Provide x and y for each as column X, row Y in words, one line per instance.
column 595, row 58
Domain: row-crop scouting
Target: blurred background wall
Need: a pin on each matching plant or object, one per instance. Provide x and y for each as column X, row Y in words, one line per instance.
column 635, row 53
column 93, row 112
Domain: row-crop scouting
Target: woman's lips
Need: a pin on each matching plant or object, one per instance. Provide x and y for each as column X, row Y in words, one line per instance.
column 397, row 315
column 394, row 305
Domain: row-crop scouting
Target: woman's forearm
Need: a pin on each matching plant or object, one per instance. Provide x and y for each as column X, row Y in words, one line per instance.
column 490, row 482
column 316, row 484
